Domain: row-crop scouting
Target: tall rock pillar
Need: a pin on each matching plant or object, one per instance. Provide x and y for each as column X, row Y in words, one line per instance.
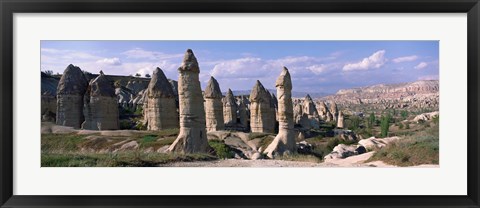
column 213, row 106
column 230, row 109
column 70, row 92
column 192, row 137
column 159, row 103
column 260, row 110
column 284, row 142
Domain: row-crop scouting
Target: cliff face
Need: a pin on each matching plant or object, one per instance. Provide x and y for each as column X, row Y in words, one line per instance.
column 419, row 94
column 424, row 86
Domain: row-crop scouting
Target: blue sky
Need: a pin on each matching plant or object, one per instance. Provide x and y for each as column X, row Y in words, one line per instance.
column 315, row 66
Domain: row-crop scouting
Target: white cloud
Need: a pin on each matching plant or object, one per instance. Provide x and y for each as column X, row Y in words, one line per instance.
column 239, row 68
column 375, row 61
column 405, row 59
column 139, row 53
column 421, row 65
column 110, row 61
column 317, row 69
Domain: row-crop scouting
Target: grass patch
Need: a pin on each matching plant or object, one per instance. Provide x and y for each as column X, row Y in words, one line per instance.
column 255, row 135
column 265, row 142
column 221, row 149
column 63, row 142
column 121, row 159
column 419, row 148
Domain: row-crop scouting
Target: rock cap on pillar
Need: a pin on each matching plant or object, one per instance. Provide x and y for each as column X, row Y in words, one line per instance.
column 259, row 93
column 284, row 80
column 159, row 86
column 101, row 86
column 189, row 62
column 213, row 89
column 72, row 82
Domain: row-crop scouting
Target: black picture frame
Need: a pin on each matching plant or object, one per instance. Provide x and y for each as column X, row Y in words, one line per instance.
column 9, row 7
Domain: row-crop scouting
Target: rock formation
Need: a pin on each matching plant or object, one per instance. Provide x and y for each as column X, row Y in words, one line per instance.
column 334, row 110
column 340, row 120
column 48, row 97
column 192, row 137
column 243, row 114
column 260, row 110
column 413, row 95
column 230, row 109
column 70, row 91
column 213, row 106
column 100, row 105
column 159, row 103
column 136, row 85
column 322, row 110
column 329, row 117
column 284, row 142
column 273, row 107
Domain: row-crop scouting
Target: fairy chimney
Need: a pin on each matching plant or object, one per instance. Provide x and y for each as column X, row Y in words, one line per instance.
column 213, row 106
column 230, row 109
column 340, row 120
column 260, row 110
column 284, row 142
column 70, row 92
column 100, row 105
column 192, row 137
column 159, row 103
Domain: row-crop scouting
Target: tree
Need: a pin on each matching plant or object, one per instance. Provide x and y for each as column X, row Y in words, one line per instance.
column 138, row 75
column 147, row 75
column 384, row 125
column 371, row 120
column 354, row 122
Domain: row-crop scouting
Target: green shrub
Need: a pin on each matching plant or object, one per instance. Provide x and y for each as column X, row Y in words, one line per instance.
column 418, row 148
column 222, row 151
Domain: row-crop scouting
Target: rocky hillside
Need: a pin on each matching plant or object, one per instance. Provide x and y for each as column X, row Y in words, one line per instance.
column 424, row 86
column 420, row 94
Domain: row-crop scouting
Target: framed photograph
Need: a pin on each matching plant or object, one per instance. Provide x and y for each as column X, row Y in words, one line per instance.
column 239, row 104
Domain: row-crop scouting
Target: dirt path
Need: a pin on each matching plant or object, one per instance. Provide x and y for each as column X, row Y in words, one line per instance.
column 354, row 161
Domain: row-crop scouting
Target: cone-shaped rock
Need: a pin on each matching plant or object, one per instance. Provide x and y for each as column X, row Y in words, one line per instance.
column 310, row 111
column 213, row 106
column 159, row 103
column 70, row 91
column 100, row 105
column 192, row 136
column 284, row 142
column 322, row 110
column 230, row 109
column 309, row 107
column 334, row 110
column 340, row 120
column 260, row 110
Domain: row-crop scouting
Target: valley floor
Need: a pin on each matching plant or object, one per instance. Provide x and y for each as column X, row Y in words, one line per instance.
column 354, row 161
